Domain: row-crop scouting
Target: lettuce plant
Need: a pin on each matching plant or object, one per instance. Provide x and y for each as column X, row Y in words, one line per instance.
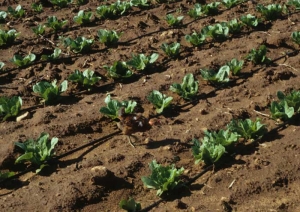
column 188, row 89
column 171, row 50
column 20, row 61
column 139, row 3
column 230, row 3
column 130, row 205
column 295, row 3
column 37, row 152
column 196, row 39
column 208, row 151
column 39, row 30
column 195, row 12
column 174, row 21
column 218, row 31
column 292, row 99
column 1, row 66
column 54, row 23
column 53, row 56
column 222, row 76
column 113, row 107
column 8, row 37
column 234, row 26
column 113, row 10
column 211, row 8
column 10, row 107
column 50, row 92
column 61, row 3
column 249, row 20
column 85, row 78
column 270, row 12
column 162, row 178
column 248, row 129
column 159, row 100
column 109, row 37
column 258, row 56
column 118, row 70
column 3, row 16
column 18, row 12
column 79, row 45
column 140, row 61
column 224, row 137
column 296, row 37
column 38, row 8
column 235, row 66
column 5, row 175
column 281, row 110
column 83, row 17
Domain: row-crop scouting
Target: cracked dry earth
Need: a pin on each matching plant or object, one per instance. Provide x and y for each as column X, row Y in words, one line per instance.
column 263, row 176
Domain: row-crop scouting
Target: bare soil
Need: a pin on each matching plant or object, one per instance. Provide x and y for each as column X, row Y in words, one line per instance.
column 263, row 176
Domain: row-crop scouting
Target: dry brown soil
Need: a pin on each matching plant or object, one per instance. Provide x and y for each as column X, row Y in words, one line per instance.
column 263, row 176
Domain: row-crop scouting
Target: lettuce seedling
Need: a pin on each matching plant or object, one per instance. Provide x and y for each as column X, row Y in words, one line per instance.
column 292, row 99
column 10, row 107
column 249, row 20
column 281, row 110
column 139, row 3
column 224, row 137
column 61, row 3
column 270, row 12
column 3, row 16
column 53, row 56
column 234, row 26
column 258, row 56
column 208, row 152
column 111, row 11
column 85, row 78
column 235, row 66
column 130, row 205
column 140, row 61
column 79, row 45
column 174, row 21
column 295, row 3
column 5, row 175
column 16, row 13
column 39, row 30
column 211, row 8
column 38, row 8
column 109, row 37
column 8, row 37
column 296, row 37
column 196, row 39
column 159, row 100
column 20, row 61
column 188, row 89
column 38, row 152
column 195, row 12
column 118, row 70
column 230, row 3
column 1, row 66
column 81, row 2
column 162, row 178
column 54, row 23
column 222, row 76
column 83, row 17
column 113, row 107
column 50, row 92
column 248, row 129
column 218, row 31
column 171, row 50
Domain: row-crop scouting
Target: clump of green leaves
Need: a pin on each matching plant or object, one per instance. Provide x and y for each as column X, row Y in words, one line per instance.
column 159, row 100
column 196, row 39
column 109, row 37
column 195, row 12
column 83, row 17
column 10, row 107
column 296, row 37
column 38, row 152
column 8, row 37
column 50, row 92
column 249, row 20
column 171, row 50
column 270, row 12
column 248, row 129
column 113, row 107
column 85, row 78
column 218, row 32
column 20, row 61
column 139, row 3
column 235, row 66
column 234, row 26
column 39, row 30
column 292, row 99
column 53, row 56
column 162, row 178
column 130, row 205
column 222, row 76
column 61, row 3
column 295, row 3
column 258, row 56
column 79, row 45
column 54, row 23
column 113, row 10
column 230, row 3
column 3, row 16
column 188, row 89
column 118, row 70
column 211, row 8
column 18, row 12
column 5, row 175
column 140, row 61
column 38, row 8
column 174, row 21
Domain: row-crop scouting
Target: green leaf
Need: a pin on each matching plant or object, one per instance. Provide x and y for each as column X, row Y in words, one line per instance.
column 130, row 205
column 159, row 100
column 118, row 70
column 10, row 107
column 188, row 89
column 171, row 50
